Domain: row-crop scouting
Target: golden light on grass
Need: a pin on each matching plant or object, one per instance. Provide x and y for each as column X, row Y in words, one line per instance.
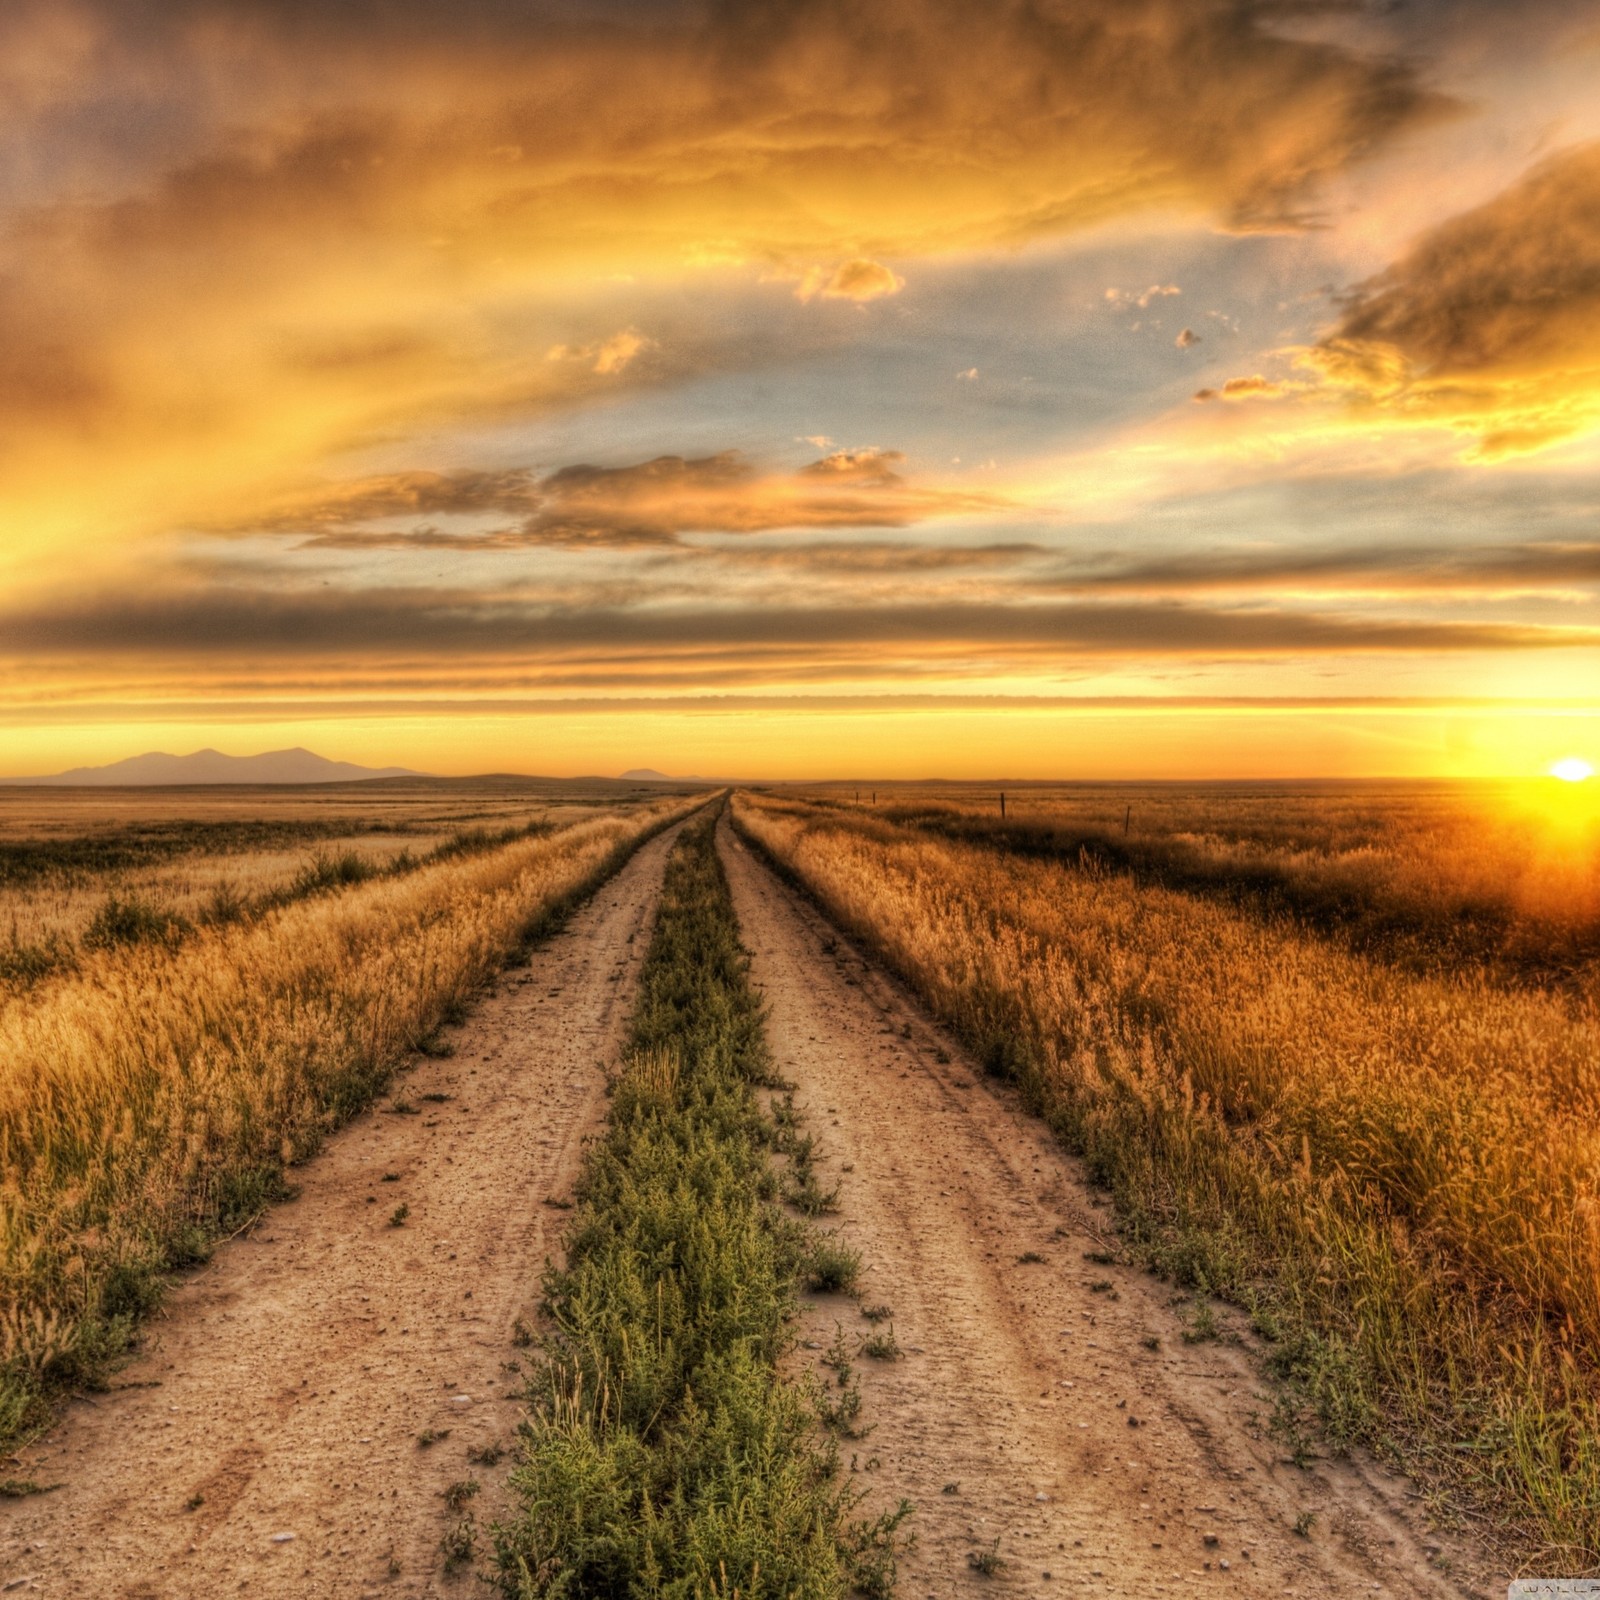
column 1381, row 1139
column 156, row 1083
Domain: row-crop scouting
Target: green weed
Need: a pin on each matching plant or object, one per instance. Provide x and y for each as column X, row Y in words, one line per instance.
column 832, row 1267
column 882, row 1346
column 133, row 920
column 460, row 1492
column 460, row 1546
column 988, row 1561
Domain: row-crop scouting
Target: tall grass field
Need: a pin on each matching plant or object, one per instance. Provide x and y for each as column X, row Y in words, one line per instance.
column 153, row 1094
column 1394, row 1165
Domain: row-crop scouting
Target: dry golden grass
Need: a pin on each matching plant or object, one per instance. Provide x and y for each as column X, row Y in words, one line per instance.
column 55, row 911
column 1505, row 875
column 1399, row 1173
column 152, row 1097
column 184, row 853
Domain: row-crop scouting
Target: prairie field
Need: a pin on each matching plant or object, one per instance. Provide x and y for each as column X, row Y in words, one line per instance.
column 179, row 1053
column 1335, row 1055
column 789, row 1195
column 1429, row 875
column 86, row 868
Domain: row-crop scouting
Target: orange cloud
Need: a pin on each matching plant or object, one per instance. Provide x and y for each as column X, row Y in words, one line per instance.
column 655, row 502
column 870, row 465
column 859, row 280
column 1251, row 388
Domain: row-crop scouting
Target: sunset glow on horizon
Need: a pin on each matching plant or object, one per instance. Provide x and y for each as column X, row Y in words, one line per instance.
column 791, row 389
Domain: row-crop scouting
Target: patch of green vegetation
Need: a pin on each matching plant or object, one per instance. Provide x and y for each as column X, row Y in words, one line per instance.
column 133, row 920
column 459, row 1546
column 23, row 962
column 805, row 1194
column 830, row 1266
column 882, row 1346
column 988, row 1561
column 332, row 870
column 460, row 1492
column 664, row 1455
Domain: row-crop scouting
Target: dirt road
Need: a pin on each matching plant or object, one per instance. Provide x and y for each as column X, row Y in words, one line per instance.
column 268, row 1440
column 1047, row 1409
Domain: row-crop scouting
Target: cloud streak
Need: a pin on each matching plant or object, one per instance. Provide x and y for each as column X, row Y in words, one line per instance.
column 223, row 624
column 651, row 503
column 1484, row 572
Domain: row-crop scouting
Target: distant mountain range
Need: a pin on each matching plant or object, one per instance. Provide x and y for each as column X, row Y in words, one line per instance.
column 650, row 775
column 211, row 766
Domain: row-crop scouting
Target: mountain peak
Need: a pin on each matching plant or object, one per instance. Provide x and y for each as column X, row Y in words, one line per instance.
column 650, row 775
column 157, row 767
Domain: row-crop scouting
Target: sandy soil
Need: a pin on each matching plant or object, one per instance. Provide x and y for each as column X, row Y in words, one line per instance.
column 267, row 1439
column 1052, row 1405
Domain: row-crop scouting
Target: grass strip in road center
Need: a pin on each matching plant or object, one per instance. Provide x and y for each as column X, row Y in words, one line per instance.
column 665, row 1454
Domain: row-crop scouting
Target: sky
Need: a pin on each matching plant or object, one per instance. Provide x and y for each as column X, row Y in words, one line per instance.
column 803, row 388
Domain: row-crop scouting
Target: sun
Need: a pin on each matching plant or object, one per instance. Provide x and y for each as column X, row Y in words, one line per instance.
column 1572, row 770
